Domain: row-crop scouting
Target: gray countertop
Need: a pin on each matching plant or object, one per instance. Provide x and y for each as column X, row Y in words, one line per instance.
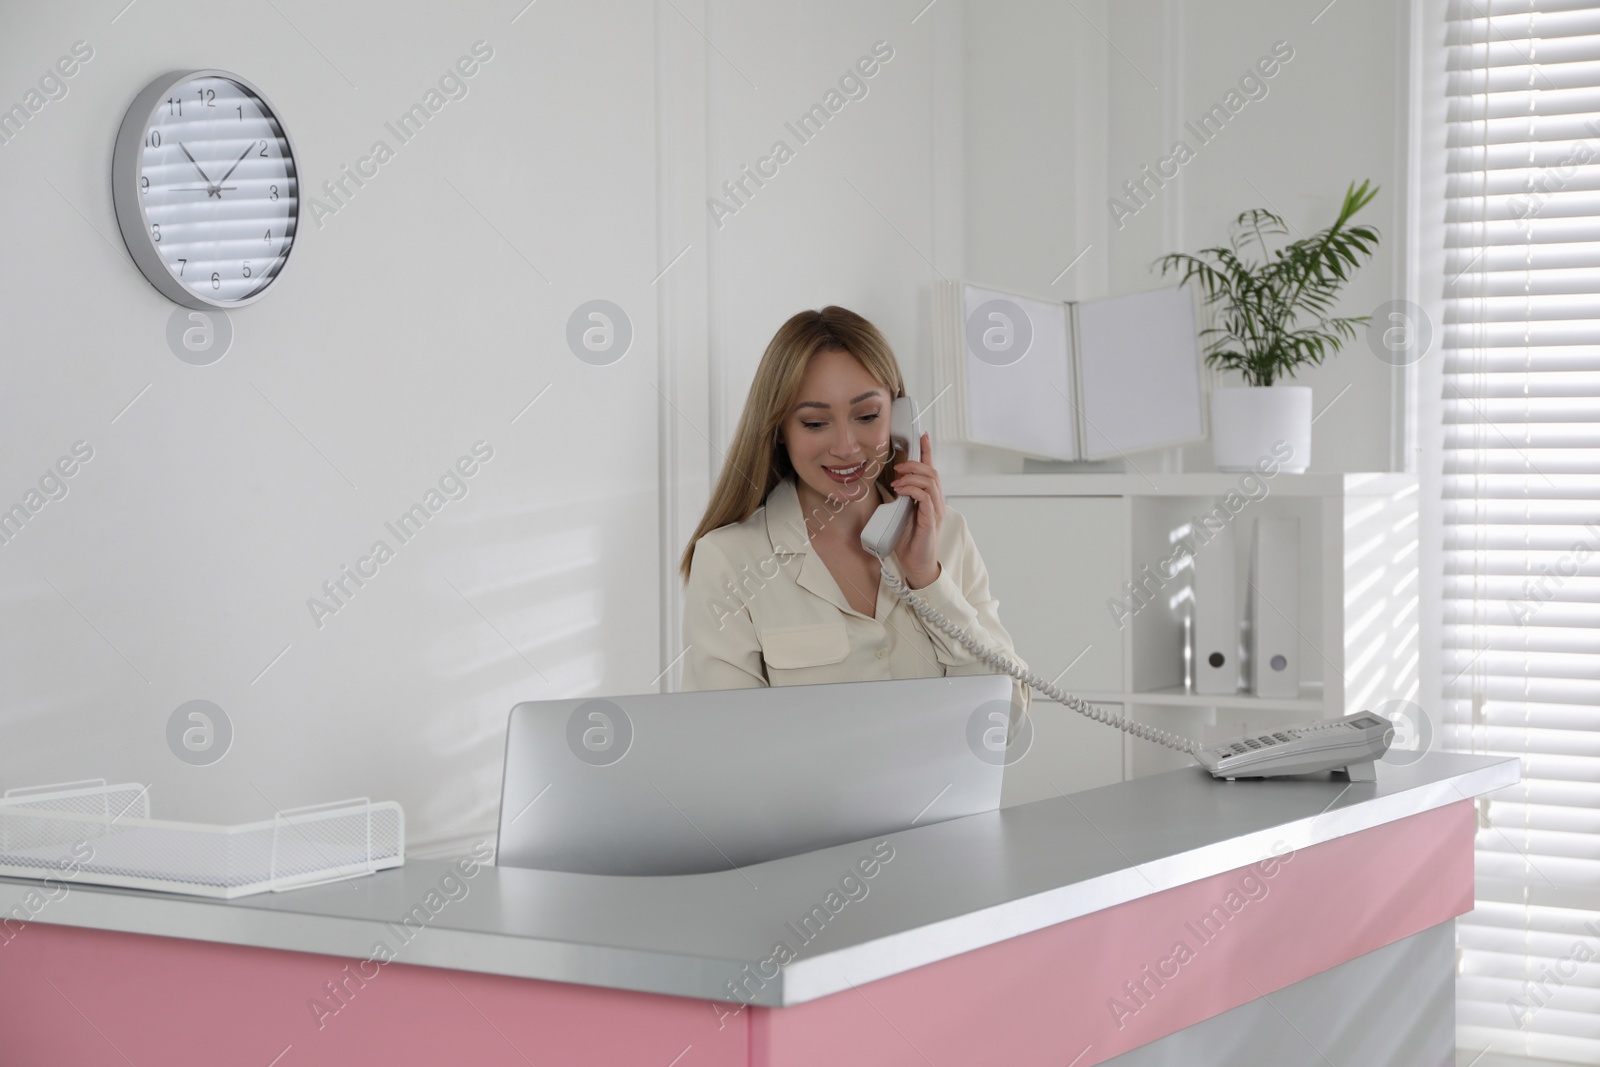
column 948, row 888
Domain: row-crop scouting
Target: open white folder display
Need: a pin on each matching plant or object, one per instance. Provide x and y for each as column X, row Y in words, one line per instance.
column 1084, row 380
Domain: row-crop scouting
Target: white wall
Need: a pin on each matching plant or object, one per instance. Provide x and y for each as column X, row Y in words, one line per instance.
column 1334, row 114
column 403, row 330
column 429, row 310
column 866, row 214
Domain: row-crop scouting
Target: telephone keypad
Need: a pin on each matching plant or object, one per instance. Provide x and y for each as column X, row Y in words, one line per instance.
column 1306, row 746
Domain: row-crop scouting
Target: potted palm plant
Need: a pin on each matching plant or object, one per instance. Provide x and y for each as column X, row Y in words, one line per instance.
column 1272, row 318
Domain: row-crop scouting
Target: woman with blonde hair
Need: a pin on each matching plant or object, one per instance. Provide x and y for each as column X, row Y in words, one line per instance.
column 780, row 590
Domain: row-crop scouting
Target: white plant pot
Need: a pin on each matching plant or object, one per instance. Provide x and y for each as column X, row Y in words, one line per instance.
column 1252, row 424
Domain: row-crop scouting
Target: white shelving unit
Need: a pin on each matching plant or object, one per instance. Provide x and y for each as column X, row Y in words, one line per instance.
column 1060, row 548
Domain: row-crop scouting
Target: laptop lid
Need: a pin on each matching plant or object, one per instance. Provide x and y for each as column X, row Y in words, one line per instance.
column 683, row 783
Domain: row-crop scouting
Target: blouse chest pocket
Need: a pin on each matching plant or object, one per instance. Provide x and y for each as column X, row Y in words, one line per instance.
column 801, row 655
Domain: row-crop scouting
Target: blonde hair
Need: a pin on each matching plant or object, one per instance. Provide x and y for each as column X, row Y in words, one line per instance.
column 757, row 460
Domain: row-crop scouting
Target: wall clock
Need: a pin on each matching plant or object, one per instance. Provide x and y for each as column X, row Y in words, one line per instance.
column 206, row 188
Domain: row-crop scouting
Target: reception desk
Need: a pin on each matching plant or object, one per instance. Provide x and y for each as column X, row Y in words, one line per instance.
column 1171, row 919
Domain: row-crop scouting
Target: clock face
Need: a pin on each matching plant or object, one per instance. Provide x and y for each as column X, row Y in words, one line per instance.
column 206, row 189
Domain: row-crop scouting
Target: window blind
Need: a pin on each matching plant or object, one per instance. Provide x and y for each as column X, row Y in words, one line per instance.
column 1521, row 509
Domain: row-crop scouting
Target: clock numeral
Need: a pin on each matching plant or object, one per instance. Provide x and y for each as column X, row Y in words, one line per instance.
column 208, row 97
column 174, row 106
column 240, row 109
column 181, row 264
column 263, row 151
column 144, row 186
column 268, row 237
column 154, row 140
column 216, row 281
column 247, row 268
column 273, row 189
column 155, row 228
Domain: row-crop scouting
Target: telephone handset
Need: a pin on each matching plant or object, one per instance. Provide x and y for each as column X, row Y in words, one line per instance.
column 1351, row 744
column 883, row 530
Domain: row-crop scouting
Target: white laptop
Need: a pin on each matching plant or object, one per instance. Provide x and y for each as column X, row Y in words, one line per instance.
column 683, row 783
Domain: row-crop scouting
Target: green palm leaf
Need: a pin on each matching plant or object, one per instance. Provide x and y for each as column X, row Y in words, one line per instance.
column 1261, row 302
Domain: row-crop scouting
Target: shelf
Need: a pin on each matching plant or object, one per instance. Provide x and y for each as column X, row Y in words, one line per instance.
column 1205, row 483
column 1063, row 548
column 1309, row 702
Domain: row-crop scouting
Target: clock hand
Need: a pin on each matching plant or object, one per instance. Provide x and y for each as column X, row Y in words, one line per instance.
column 209, row 185
column 236, row 162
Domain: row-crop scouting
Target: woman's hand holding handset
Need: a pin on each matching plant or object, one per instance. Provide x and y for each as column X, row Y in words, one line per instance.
column 919, row 545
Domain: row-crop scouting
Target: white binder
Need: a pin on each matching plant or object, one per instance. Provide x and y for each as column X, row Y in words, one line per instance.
column 1215, row 654
column 1023, row 401
column 1274, row 598
column 1138, row 362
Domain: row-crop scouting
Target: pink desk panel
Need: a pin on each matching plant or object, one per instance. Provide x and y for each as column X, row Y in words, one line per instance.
column 1078, row 993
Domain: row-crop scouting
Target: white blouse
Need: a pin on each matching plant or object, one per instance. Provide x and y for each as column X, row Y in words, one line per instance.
column 761, row 608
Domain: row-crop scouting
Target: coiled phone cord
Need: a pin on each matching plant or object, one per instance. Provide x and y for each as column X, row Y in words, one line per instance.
column 995, row 659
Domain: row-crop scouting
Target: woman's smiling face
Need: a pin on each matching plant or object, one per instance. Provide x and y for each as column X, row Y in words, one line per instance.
column 838, row 430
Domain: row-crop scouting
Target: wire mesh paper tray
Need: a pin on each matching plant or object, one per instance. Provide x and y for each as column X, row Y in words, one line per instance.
column 93, row 832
